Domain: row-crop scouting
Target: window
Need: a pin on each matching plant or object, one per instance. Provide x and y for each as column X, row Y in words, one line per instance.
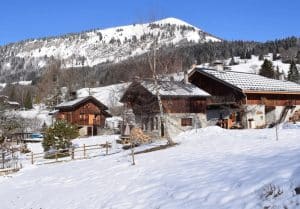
column 156, row 123
column 186, row 121
column 152, row 123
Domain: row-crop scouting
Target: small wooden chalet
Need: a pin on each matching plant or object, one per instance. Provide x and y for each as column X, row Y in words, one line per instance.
column 87, row 113
column 246, row 100
column 8, row 105
column 184, row 106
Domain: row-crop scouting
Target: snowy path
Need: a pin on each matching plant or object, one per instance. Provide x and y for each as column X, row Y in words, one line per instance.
column 211, row 168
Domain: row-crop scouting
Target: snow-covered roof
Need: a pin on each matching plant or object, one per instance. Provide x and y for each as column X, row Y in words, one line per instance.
column 13, row 103
column 174, row 88
column 73, row 103
column 251, row 82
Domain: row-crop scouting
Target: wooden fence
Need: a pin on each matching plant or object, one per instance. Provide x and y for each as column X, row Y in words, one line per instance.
column 9, row 161
column 62, row 155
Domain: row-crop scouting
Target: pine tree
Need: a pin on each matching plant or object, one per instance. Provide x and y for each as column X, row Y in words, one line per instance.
column 298, row 57
column 232, row 62
column 274, row 55
column 293, row 74
column 248, row 55
column 59, row 135
column 277, row 73
column 28, row 101
column 44, row 127
column 267, row 69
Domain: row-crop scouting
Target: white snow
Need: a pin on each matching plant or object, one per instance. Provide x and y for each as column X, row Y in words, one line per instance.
column 108, row 95
column 23, row 83
column 210, row 168
column 254, row 64
column 174, row 88
column 98, row 48
column 39, row 112
column 250, row 81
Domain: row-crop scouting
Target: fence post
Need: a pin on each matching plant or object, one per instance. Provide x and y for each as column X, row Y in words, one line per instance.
column 32, row 158
column 72, row 153
column 84, row 151
column 3, row 159
column 56, row 155
column 106, row 146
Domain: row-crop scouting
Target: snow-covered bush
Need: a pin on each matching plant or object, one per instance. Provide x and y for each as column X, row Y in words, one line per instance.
column 59, row 135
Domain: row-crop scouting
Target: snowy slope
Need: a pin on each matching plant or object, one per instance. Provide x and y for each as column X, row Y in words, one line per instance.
column 108, row 95
column 253, row 65
column 99, row 45
column 39, row 112
column 211, row 168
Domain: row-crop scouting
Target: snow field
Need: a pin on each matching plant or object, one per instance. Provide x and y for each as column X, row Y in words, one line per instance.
column 210, row 168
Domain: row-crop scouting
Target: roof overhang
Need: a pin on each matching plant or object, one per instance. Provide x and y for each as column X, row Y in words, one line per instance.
column 271, row 92
column 200, row 71
column 74, row 106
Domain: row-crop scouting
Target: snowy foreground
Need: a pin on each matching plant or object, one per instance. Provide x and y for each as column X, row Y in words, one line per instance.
column 210, row 168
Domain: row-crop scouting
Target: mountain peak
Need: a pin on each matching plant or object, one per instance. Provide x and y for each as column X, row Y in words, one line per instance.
column 98, row 46
column 173, row 20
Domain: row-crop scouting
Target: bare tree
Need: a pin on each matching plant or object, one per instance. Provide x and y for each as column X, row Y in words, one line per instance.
column 153, row 60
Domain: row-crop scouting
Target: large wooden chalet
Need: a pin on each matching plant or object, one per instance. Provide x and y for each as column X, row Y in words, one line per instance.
column 246, row 100
column 87, row 113
column 184, row 106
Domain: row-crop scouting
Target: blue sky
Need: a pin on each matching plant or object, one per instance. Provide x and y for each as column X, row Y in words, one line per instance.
column 229, row 19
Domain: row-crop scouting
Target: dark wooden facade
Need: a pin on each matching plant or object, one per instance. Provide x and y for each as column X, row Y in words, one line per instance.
column 88, row 112
column 182, row 111
column 143, row 102
column 273, row 99
column 224, row 93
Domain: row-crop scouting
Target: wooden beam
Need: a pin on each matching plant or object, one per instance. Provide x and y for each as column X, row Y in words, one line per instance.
column 270, row 92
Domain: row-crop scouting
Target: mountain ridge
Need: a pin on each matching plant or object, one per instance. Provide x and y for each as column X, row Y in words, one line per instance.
column 96, row 46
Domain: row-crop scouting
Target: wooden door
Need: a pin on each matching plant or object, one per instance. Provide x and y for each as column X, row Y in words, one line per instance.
column 91, row 119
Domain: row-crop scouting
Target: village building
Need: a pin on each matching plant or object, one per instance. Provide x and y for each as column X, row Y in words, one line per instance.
column 87, row 113
column 245, row 100
column 184, row 106
column 6, row 104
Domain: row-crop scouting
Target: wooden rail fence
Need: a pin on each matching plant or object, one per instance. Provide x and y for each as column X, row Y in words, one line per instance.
column 83, row 152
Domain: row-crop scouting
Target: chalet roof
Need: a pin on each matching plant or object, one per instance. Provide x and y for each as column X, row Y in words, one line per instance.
column 249, row 82
column 76, row 102
column 175, row 88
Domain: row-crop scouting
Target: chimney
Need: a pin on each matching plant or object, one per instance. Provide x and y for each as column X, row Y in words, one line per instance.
column 186, row 77
column 73, row 95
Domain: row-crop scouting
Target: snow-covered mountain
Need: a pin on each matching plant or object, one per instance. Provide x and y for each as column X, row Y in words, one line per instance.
column 98, row 46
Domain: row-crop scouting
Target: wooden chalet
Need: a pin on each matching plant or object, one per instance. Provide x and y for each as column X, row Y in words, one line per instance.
column 246, row 100
column 87, row 113
column 5, row 103
column 184, row 106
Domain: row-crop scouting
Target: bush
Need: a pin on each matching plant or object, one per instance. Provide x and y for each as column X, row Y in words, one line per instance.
column 59, row 136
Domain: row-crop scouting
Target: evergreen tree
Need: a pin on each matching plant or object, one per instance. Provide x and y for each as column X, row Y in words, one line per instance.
column 298, row 57
column 44, row 127
column 277, row 73
column 59, row 135
column 232, row 62
column 28, row 101
column 293, row 74
column 261, row 57
column 248, row 55
column 274, row 55
column 267, row 69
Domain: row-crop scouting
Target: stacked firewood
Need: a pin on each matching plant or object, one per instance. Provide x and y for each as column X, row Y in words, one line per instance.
column 139, row 136
column 296, row 116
